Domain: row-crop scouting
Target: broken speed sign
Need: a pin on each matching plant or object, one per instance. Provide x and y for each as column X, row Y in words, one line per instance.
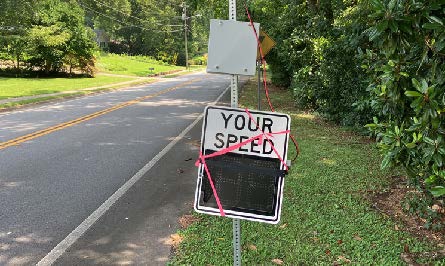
column 242, row 164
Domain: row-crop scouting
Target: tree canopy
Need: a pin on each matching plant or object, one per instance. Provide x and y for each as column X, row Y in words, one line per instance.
column 373, row 62
column 46, row 35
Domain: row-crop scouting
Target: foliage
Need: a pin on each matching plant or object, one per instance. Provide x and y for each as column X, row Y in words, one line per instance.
column 51, row 36
column 406, row 66
column 317, row 56
column 199, row 60
column 354, row 60
column 152, row 28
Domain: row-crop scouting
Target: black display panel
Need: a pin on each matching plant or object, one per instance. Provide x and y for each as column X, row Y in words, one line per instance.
column 248, row 170
column 244, row 183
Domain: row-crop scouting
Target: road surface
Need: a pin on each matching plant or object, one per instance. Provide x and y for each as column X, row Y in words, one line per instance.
column 103, row 179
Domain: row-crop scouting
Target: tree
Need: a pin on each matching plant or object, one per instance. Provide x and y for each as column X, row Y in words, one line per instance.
column 47, row 35
column 59, row 33
column 15, row 19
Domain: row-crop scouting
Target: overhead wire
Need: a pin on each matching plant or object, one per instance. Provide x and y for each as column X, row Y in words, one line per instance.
column 112, row 18
column 129, row 15
column 168, row 31
column 117, row 10
column 127, row 24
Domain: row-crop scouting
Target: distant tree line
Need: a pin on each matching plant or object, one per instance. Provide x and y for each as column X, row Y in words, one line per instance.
column 155, row 27
column 57, row 35
column 46, row 35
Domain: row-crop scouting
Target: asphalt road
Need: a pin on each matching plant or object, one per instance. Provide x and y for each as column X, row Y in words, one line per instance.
column 59, row 164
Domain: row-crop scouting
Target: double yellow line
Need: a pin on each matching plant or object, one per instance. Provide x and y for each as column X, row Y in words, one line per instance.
column 46, row 131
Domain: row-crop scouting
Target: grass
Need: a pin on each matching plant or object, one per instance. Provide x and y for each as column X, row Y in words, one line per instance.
column 17, row 87
column 45, row 98
column 132, row 65
column 39, row 100
column 325, row 218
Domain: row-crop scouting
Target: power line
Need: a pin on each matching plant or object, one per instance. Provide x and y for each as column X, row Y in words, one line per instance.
column 103, row 4
column 121, row 22
column 100, row 3
column 170, row 31
column 131, row 25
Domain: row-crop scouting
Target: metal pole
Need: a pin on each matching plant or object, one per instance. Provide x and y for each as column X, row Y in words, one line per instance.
column 234, row 104
column 184, row 17
column 259, row 84
column 232, row 9
column 236, row 242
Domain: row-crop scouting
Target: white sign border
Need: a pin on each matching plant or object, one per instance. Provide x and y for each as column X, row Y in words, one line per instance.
column 275, row 219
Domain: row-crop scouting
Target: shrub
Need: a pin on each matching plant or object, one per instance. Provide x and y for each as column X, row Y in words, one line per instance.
column 331, row 80
column 406, row 66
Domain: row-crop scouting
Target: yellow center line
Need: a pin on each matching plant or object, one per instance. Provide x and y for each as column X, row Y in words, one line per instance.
column 46, row 131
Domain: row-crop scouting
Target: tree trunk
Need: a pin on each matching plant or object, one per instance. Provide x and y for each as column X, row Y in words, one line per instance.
column 327, row 10
column 47, row 66
column 18, row 62
column 312, row 5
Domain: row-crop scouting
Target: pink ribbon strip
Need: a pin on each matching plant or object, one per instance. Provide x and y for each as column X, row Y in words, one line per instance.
column 268, row 139
column 263, row 62
column 218, row 202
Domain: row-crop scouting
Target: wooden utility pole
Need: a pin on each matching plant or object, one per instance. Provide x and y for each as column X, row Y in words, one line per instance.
column 184, row 17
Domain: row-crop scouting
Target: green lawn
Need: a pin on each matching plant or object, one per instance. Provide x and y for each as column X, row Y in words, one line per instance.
column 110, row 63
column 132, row 65
column 17, row 87
column 325, row 217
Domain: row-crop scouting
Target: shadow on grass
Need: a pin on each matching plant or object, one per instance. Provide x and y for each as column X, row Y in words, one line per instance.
column 13, row 73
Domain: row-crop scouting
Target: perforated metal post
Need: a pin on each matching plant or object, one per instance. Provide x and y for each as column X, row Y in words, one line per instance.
column 232, row 9
column 259, row 84
column 234, row 91
column 234, row 104
column 236, row 242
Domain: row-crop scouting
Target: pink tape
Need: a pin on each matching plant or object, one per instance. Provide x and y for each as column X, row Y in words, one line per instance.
column 263, row 62
column 268, row 139
column 218, row 202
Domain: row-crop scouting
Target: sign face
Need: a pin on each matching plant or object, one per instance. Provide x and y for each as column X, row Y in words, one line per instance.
column 232, row 47
column 248, row 180
column 267, row 44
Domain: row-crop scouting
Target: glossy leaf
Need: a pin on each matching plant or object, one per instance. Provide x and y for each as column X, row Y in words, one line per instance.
column 438, row 191
column 413, row 94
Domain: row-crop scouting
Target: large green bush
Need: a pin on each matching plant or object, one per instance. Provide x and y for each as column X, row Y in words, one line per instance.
column 330, row 79
column 355, row 60
column 406, row 67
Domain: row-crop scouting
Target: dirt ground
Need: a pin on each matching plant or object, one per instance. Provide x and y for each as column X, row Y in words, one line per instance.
column 389, row 203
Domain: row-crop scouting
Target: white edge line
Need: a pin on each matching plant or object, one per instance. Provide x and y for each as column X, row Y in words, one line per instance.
column 60, row 249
